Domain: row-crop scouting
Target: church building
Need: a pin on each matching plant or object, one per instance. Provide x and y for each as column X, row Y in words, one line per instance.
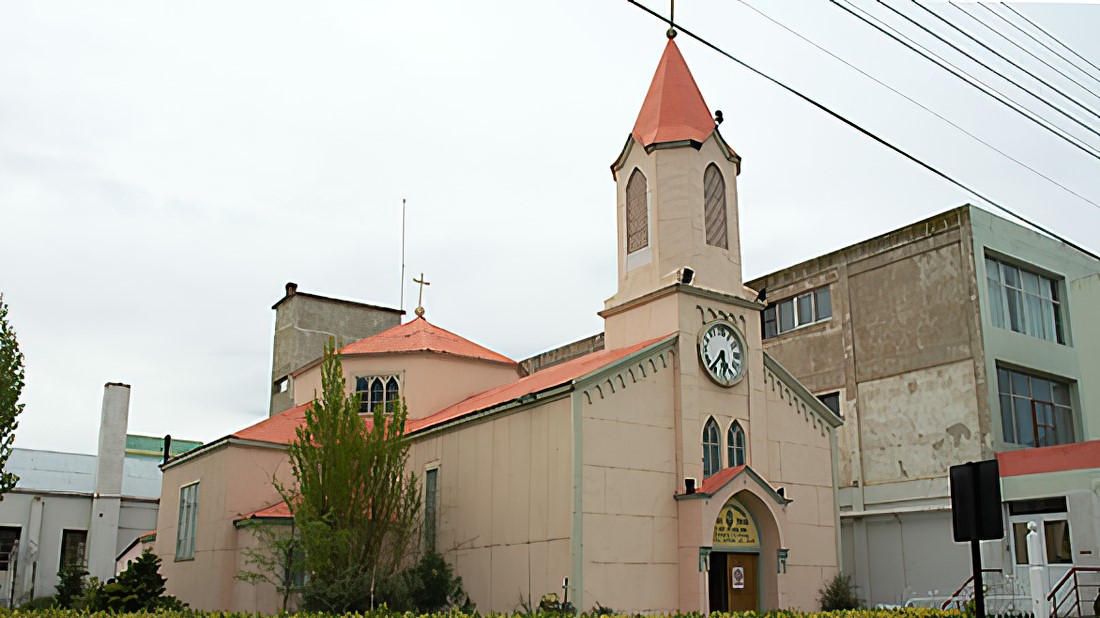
column 675, row 467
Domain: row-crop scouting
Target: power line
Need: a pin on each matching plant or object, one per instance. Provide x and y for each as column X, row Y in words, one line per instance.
column 920, row 105
column 1051, row 36
column 1002, row 57
column 967, row 78
column 1032, row 37
column 1027, row 51
column 1008, row 79
column 865, row 132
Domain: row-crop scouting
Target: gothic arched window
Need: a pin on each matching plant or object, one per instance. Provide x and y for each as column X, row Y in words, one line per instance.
column 714, row 207
column 392, row 390
column 712, row 448
column 637, row 212
column 735, row 441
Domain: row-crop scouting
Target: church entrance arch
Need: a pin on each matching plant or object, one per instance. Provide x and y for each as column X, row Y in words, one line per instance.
column 734, row 577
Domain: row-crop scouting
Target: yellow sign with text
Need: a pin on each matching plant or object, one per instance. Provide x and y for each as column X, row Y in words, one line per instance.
column 734, row 528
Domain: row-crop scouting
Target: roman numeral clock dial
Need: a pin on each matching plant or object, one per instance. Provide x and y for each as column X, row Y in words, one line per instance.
column 722, row 352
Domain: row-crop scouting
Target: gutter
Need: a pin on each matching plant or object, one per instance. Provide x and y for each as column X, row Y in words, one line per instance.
column 928, row 508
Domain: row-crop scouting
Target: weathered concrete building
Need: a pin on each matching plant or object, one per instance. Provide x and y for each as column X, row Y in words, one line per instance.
column 957, row 338
column 303, row 325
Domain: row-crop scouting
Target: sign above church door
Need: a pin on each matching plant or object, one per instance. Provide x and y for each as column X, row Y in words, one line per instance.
column 735, row 528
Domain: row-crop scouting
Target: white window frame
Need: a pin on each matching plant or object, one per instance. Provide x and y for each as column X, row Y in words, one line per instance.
column 384, row 378
column 188, row 519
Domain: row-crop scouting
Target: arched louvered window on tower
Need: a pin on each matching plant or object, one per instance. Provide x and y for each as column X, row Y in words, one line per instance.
column 712, row 448
column 378, row 391
column 637, row 212
column 714, row 207
column 735, row 441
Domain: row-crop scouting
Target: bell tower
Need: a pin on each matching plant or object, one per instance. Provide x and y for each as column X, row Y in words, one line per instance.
column 676, row 198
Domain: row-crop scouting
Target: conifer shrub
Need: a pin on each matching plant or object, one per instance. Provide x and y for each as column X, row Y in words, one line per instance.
column 139, row 588
column 70, row 584
column 839, row 594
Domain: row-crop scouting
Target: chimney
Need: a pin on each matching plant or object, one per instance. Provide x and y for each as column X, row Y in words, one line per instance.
column 103, row 527
column 291, row 288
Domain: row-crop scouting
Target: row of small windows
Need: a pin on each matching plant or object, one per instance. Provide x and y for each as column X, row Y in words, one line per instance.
column 712, row 447
column 802, row 310
column 714, row 210
column 377, row 391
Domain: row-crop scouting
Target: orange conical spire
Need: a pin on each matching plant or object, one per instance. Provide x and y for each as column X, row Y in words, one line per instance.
column 674, row 109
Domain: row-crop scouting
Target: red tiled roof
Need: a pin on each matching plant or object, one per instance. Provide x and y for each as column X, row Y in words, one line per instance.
column 1080, row 456
column 714, row 482
column 279, row 429
column 421, row 335
column 673, row 109
column 534, row 383
column 279, row 510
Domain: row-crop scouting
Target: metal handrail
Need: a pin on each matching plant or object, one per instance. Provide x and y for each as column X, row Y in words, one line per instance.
column 1052, row 598
column 966, row 583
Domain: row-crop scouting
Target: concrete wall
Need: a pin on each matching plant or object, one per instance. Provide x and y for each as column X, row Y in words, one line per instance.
column 505, row 498
column 429, row 381
column 234, row 480
column 1074, row 362
column 900, row 347
column 305, row 322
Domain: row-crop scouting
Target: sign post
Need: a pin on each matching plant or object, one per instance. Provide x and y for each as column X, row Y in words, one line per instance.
column 976, row 514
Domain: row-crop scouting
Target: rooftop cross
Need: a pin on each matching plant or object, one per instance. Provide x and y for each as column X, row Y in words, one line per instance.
column 420, row 298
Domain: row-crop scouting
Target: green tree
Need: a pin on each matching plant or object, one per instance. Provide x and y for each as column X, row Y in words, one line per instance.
column 11, row 387
column 356, row 508
column 275, row 559
column 70, row 584
column 138, row 588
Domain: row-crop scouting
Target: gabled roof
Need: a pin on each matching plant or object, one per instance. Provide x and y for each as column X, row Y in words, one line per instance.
column 714, row 483
column 279, row 510
column 279, row 429
column 420, row 335
column 282, row 428
column 674, row 109
column 546, row 379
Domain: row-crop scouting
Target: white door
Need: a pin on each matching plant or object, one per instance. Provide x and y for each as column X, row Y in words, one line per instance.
column 1054, row 537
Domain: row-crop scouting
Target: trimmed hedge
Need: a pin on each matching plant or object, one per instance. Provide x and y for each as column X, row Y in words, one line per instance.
column 907, row 612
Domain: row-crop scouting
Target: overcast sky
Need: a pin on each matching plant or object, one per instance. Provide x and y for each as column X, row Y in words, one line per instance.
column 165, row 168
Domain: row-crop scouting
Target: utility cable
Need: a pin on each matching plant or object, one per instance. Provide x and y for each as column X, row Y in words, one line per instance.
column 1051, row 36
column 967, row 78
column 1028, row 35
column 977, row 61
column 865, row 132
column 1027, row 51
column 920, row 105
column 1002, row 57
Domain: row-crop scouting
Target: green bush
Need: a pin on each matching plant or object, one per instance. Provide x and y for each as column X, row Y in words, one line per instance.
column 39, row 603
column 839, row 594
column 904, row 612
column 429, row 586
column 139, row 588
column 70, row 584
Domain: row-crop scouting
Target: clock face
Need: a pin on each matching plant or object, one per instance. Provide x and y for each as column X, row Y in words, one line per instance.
column 722, row 352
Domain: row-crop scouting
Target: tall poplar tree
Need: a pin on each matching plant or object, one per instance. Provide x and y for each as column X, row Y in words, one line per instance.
column 11, row 387
column 356, row 508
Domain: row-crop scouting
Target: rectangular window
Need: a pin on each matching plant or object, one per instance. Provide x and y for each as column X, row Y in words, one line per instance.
column 281, row 386
column 73, row 543
column 1023, row 301
column 431, row 507
column 185, row 532
column 802, row 310
column 1035, row 411
column 377, row 391
column 9, row 544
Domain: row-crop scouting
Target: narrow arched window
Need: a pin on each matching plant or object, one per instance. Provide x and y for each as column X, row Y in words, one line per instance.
column 735, row 441
column 392, row 393
column 637, row 212
column 377, row 394
column 712, row 448
column 714, row 207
